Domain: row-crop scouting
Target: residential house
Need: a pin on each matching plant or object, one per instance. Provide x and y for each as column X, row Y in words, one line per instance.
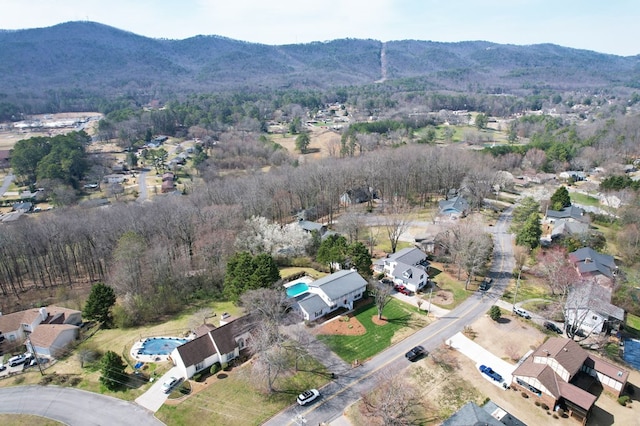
column 489, row 414
column 589, row 263
column 24, row 206
column 571, row 214
column 357, row 196
column 454, row 207
column 408, row 267
column 338, row 290
column 310, row 226
column 588, row 307
column 15, row 327
column 167, row 183
column 573, row 175
column 51, row 340
column 558, row 372
column 222, row 345
column 114, row 178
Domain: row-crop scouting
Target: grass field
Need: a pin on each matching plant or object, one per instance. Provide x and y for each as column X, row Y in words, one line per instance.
column 448, row 282
column 26, row 420
column 583, row 199
column 377, row 337
column 231, row 398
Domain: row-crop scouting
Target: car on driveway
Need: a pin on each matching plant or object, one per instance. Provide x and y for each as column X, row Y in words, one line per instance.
column 415, row 353
column 489, row 372
column 169, row 384
column 308, row 396
column 386, row 281
column 402, row 289
column 521, row 312
column 3, row 367
column 552, row 327
column 17, row 360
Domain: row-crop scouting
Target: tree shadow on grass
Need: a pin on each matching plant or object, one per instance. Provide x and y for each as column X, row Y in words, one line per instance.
column 503, row 320
column 403, row 320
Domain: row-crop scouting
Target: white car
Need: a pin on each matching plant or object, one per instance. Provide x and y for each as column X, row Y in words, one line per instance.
column 308, row 396
column 169, row 384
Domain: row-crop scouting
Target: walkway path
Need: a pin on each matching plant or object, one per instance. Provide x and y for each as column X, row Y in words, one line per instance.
column 6, row 183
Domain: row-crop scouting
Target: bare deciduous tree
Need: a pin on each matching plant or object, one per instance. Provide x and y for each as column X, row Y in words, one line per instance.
column 382, row 295
column 394, row 401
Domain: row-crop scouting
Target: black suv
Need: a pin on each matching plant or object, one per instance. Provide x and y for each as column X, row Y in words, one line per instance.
column 551, row 326
column 485, row 284
column 415, row 353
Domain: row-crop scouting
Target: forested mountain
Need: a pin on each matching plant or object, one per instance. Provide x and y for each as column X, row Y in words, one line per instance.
column 70, row 66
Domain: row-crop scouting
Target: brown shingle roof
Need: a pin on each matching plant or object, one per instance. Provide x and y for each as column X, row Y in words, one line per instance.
column 196, row 350
column 46, row 334
column 203, row 329
column 58, row 314
column 576, row 395
column 607, row 368
column 12, row 322
column 566, row 352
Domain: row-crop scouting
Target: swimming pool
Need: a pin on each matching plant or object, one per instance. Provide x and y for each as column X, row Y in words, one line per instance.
column 297, row 289
column 631, row 353
column 160, row 345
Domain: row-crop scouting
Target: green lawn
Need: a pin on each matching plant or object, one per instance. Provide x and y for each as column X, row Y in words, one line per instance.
column 293, row 270
column 232, row 399
column 400, row 316
column 449, row 283
column 583, row 199
column 632, row 324
column 528, row 289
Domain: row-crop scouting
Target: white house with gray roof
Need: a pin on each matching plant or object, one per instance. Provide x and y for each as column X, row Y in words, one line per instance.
column 589, row 307
column 407, row 267
column 338, row 290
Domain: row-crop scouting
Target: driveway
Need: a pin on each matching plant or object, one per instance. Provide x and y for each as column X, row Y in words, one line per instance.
column 481, row 356
column 5, row 184
column 73, row 406
column 153, row 398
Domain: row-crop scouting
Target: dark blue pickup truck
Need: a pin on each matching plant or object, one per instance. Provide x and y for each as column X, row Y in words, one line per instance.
column 489, row 372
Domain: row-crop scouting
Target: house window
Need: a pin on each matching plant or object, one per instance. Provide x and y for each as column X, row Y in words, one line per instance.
column 317, row 314
column 594, row 317
column 240, row 343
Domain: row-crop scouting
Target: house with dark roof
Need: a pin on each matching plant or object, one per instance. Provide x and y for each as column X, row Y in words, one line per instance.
column 490, row 414
column 358, row 196
column 338, row 290
column 589, row 263
column 571, row 213
column 558, row 372
column 408, row 267
column 456, row 206
column 310, row 226
column 588, row 307
column 222, row 345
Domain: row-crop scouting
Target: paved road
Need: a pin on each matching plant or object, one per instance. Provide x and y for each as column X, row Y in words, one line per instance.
column 142, row 186
column 348, row 388
column 5, row 184
column 73, row 406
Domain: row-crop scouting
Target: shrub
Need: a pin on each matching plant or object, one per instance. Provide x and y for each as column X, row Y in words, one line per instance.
column 524, row 395
column 197, row 377
column 537, row 403
column 544, row 406
column 494, row 313
column 624, row 399
column 555, row 416
column 215, row 368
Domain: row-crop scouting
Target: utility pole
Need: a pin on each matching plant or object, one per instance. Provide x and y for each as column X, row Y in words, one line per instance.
column 516, row 292
column 430, row 293
column 35, row 355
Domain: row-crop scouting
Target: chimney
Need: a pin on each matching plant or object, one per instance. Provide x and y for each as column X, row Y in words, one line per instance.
column 43, row 313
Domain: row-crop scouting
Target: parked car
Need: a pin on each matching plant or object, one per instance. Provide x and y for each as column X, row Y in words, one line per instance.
column 415, row 353
column 402, row 289
column 307, row 396
column 169, row 384
column 17, row 360
column 522, row 313
column 3, row 367
column 386, row 281
column 551, row 326
column 489, row 372
column 485, row 284
column 576, row 331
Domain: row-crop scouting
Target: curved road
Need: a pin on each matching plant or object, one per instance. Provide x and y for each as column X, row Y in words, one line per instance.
column 73, row 406
column 348, row 388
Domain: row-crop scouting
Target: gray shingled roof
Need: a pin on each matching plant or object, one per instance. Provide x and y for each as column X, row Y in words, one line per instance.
column 571, row 212
column 594, row 297
column 587, row 260
column 340, row 283
column 409, row 256
column 471, row 415
column 458, row 204
column 312, row 303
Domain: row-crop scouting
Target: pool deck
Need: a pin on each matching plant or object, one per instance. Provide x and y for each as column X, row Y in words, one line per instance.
column 306, row 280
column 137, row 346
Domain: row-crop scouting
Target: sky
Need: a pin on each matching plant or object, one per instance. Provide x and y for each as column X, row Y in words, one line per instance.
column 609, row 26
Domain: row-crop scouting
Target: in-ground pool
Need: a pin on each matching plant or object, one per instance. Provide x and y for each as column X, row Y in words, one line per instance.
column 297, row 289
column 160, row 345
column 631, row 353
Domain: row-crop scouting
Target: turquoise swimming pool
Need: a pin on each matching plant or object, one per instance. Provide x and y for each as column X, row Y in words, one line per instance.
column 297, row 289
column 160, row 345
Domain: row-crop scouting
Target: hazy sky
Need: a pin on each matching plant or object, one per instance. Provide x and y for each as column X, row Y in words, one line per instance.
column 608, row 26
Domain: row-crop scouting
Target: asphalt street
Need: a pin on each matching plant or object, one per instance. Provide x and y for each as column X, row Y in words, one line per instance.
column 73, row 406
column 348, row 388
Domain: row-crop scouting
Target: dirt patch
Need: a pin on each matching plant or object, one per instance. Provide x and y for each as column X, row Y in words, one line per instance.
column 500, row 337
column 379, row 321
column 443, row 297
column 343, row 326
